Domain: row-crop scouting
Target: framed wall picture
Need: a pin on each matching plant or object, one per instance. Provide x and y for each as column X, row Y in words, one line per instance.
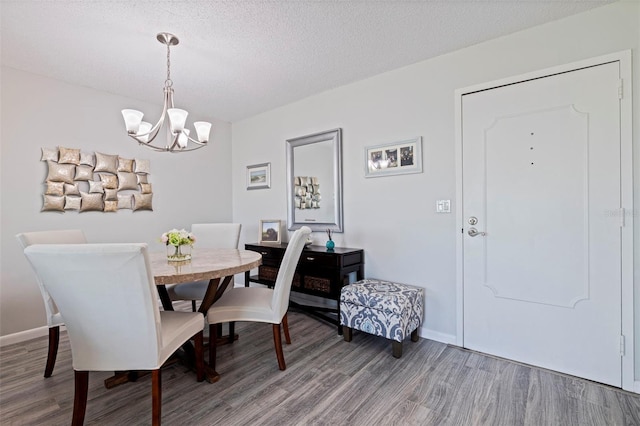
column 270, row 231
column 259, row 176
column 394, row 158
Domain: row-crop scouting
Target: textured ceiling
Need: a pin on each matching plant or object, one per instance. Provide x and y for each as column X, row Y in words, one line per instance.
column 239, row 58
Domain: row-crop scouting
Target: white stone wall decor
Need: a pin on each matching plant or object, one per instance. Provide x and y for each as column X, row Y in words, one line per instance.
column 85, row 181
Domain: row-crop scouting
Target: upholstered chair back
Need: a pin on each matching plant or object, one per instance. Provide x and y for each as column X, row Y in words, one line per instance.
column 108, row 299
column 282, row 288
column 216, row 235
column 67, row 236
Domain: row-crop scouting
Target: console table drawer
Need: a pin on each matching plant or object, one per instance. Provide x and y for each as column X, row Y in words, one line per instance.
column 269, row 255
column 318, row 259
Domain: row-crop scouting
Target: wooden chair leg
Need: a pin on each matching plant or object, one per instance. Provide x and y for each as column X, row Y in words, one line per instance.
column 347, row 333
column 80, row 397
column 285, row 327
column 156, row 397
column 414, row 335
column 213, row 337
column 54, row 340
column 232, row 332
column 277, row 341
column 397, row 349
column 199, row 348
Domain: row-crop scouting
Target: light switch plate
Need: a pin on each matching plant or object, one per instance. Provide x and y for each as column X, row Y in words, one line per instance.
column 443, row 206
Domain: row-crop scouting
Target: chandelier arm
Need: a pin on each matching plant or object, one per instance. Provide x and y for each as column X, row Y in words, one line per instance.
column 187, row 149
column 151, row 133
column 196, row 141
column 174, row 145
column 173, row 148
column 147, row 144
column 156, row 128
column 168, row 103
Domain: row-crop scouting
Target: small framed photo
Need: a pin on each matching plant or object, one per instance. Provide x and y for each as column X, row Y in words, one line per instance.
column 270, row 231
column 394, row 158
column 259, row 176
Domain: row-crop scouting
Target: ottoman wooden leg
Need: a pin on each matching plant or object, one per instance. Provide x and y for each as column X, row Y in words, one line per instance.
column 414, row 335
column 347, row 333
column 397, row 349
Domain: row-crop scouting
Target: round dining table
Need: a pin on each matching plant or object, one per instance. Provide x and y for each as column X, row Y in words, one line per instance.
column 216, row 265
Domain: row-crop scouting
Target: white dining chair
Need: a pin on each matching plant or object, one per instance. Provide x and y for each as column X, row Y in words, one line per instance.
column 208, row 235
column 107, row 296
column 54, row 319
column 260, row 304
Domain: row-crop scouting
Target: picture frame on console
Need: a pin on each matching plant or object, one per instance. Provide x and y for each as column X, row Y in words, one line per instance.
column 270, row 231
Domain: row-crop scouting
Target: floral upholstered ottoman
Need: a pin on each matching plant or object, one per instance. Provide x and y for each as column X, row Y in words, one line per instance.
column 382, row 308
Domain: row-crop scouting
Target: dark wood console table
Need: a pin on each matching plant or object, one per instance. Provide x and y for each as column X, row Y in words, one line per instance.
column 320, row 272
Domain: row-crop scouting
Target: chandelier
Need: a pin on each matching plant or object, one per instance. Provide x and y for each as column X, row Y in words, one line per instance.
column 178, row 139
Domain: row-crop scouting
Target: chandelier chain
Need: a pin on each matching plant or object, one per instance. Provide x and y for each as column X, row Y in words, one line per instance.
column 168, row 82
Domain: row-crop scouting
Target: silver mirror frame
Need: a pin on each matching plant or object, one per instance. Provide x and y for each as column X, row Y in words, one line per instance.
column 335, row 136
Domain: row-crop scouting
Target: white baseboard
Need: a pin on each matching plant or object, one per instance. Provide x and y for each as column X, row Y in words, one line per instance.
column 427, row 333
column 23, row 336
column 636, row 386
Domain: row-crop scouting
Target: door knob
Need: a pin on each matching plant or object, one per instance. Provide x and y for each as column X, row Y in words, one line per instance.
column 474, row 232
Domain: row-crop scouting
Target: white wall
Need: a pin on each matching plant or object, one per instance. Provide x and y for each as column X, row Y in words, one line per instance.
column 40, row 112
column 393, row 218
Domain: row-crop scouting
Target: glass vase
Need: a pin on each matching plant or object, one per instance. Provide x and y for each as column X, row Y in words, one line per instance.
column 178, row 253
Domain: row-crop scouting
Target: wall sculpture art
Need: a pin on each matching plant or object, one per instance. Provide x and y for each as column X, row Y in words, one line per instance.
column 84, row 181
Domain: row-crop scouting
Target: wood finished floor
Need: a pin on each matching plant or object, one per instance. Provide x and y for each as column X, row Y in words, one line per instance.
column 327, row 382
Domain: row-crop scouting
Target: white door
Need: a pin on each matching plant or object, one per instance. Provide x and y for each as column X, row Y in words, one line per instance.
column 541, row 177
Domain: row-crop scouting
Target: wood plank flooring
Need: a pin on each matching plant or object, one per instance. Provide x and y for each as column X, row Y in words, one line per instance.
column 327, row 382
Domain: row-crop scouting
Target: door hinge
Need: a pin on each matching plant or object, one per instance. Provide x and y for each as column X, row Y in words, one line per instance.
column 621, row 345
column 620, row 92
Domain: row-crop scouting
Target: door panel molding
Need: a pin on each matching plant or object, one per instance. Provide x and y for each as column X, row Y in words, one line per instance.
column 516, row 136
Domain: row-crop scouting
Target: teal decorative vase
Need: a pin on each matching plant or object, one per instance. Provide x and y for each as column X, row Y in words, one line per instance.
column 330, row 245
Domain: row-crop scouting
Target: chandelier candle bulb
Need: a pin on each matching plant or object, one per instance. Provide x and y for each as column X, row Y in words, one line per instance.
column 202, row 129
column 143, row 131
column 183, row 138
column 132, row 120
column 177, row 119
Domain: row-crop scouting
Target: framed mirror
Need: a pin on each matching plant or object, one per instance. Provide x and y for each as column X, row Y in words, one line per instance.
column 314, row 181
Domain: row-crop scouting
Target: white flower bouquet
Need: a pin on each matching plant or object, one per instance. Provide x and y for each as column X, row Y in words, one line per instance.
column 178, row 244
